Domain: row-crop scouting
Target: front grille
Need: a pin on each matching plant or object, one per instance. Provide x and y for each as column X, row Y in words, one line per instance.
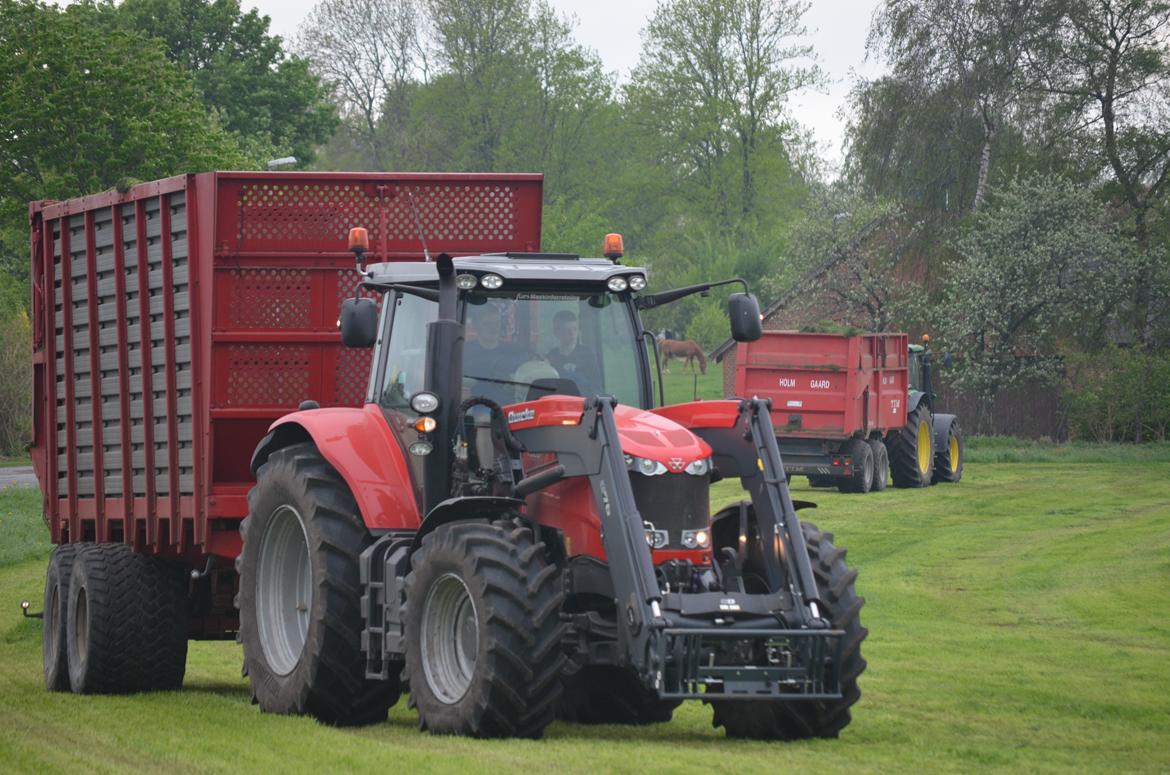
column 673, row 502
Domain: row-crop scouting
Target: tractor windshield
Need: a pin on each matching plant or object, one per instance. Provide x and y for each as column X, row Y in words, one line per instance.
column 521, row 346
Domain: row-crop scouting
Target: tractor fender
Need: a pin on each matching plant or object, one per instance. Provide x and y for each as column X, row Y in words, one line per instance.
column 471, row 508
column 358, row 443
column 913, row 402
column 942, row 429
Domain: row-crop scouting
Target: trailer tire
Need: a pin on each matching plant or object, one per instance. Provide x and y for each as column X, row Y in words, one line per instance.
column 861, row 480
column 881, row 465
column 948, row 460
column 818, row 718
column 500, row 676
column 56, row 614
column 606, row 694
column 126, row 628
column 303, row 526
column 911, row 449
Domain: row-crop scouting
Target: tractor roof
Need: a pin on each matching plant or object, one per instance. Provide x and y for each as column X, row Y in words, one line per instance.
column 552, row 268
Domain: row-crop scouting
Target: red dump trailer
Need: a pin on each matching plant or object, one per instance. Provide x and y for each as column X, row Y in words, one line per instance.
column 174, row 322
column 835, row 400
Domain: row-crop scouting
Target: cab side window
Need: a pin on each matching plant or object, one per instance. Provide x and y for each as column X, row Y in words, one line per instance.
column 406, row 351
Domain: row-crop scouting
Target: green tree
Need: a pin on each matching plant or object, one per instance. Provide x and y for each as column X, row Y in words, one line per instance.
column 1039, row 271
column 268, row 99
column 83, row 106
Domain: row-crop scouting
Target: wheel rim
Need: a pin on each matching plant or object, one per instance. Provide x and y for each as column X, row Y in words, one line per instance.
column 81, row 624
column 954, row 454
column 450, row 638
column 923, row 448
column 284, row 590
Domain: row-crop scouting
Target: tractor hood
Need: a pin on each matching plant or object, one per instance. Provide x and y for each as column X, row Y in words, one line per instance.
column 643, row 434
column 654, row 437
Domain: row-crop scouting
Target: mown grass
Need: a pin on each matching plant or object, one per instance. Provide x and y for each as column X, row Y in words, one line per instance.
column 14, row 462
column 1005, row 449
column 1017, row 623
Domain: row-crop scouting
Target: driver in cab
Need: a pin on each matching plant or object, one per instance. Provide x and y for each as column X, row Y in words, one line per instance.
column 495, row 365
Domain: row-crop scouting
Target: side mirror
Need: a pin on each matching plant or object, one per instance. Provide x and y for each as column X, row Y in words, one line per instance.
column 744, row 311
column 359, row 322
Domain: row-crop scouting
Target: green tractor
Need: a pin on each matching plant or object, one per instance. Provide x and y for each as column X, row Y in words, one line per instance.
column 929, row 447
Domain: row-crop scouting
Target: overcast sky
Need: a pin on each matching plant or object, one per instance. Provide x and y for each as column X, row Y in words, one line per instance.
column 837, row 31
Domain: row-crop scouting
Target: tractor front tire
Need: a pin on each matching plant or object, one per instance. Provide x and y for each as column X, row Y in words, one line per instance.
column 56, row 613
column 948, row 460
column 912, row 450
column 483, row 631
column 126, row 627
column 606, row 694
column 861, row 479
column 802, row 719
column 300, row 594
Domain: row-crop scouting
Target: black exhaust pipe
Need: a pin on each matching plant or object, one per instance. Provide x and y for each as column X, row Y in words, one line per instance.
column 444, row 370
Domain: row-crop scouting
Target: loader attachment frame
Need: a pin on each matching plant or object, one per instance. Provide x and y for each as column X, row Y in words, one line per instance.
column 693, row 645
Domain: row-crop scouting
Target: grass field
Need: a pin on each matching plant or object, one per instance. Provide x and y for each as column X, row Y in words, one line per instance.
column 1018, row 621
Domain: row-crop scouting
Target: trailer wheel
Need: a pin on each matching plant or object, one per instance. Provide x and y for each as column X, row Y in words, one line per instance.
column 948, row 460
column 300, row 594
column 605, row 694
column 881, row 465
column 861, row 480
column 126, row 628
column 483, row 631
column 805, row 719
column 56, row 614
column 911, row 450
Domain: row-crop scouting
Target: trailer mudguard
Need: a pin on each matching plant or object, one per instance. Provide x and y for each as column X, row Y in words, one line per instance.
column 359, row 444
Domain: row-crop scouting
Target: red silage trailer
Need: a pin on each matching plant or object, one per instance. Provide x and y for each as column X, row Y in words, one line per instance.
column 835, row 398
column 174, row 322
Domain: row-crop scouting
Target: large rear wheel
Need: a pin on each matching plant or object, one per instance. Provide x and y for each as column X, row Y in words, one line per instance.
column 300, row 594
column 912, row 450
column 794, row 720
column 483, row 631
column 861, row 478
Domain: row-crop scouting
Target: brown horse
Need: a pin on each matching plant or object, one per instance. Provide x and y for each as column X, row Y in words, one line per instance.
column 674, row 348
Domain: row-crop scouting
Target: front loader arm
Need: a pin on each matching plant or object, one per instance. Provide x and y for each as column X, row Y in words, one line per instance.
column 592, row 448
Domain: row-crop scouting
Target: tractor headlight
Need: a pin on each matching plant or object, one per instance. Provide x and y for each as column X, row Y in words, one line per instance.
column 491, row 281
column 424, row 403
column 637, row 282
column 645, row 466
column 421, row 448
column 699, row 467
column 617, row 284
column 655, row 538
column 465, row 282
column 696, row 539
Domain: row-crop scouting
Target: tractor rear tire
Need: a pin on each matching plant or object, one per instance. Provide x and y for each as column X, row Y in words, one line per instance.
column 802, row 719
column 605, row 694
column 300, row 594
column 948, row 461
column 483, row 631
column 881, row 465
column 861, row 480
column 126, row 628
column 56, row 613
column 912, row 450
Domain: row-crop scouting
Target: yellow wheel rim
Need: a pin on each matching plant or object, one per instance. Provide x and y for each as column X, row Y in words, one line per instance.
column 954, row 454
column 923, row 448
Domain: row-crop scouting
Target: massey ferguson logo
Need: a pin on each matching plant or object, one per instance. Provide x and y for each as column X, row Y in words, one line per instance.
column 524, row 415
column 676, row 463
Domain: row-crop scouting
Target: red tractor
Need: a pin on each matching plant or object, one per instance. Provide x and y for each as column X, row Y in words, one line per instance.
column 542, row 537
column 492, row 511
